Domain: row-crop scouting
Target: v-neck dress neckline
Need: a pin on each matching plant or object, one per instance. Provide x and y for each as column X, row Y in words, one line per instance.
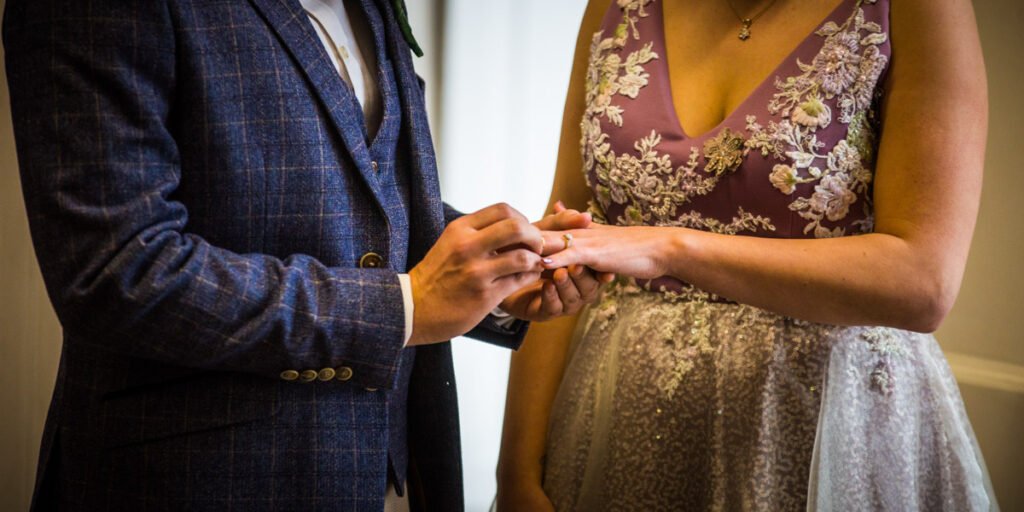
column 787, row 61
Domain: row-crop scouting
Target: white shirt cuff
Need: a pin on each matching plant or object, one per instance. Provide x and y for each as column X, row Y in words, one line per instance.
column 503, row 318
column 406, row 283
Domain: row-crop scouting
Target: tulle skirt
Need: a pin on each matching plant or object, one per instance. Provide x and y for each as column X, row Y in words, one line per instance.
column 672, row 403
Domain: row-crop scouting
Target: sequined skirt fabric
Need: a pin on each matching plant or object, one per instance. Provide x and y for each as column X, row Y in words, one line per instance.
column 675, row 404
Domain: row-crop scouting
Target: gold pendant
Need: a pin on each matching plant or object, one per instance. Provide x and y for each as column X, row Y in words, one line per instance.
column 745, row 31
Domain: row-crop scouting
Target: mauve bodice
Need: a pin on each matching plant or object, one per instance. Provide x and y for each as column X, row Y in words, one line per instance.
column 794, row 160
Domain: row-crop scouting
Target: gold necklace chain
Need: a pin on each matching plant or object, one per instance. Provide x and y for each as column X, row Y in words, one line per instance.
column 747, row 22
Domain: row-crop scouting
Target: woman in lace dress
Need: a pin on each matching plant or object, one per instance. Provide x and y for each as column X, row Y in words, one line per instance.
column 764, row 347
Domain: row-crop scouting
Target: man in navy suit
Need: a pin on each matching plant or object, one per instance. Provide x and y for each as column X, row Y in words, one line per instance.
column 236, row 211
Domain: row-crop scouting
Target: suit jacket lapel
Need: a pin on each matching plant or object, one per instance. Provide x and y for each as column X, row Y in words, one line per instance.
column 425, row 191
column 289, row 21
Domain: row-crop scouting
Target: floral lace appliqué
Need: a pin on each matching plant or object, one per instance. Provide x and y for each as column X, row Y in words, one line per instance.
column 887, row 345
column 645, row 181
column 845, row 72
column 724, row 153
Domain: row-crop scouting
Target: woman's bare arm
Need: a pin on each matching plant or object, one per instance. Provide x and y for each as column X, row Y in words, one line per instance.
column 927, row 189
column 536, row 369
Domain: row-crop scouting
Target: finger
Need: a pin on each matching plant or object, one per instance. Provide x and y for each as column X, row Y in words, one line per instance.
column 559, row 206
column 531, row 295
column 561, row 259
column 605, row 277
column 511, row 283
column 586, row 282
column 564, row 220
column 491, row 214
column 534, row 310
column 521, row 298
column 508, row 233
column 551, row 305
column 567, row 292
column 555, row 241
column 513, row 262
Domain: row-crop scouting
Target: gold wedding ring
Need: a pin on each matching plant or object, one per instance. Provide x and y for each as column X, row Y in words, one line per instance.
column 567, row 237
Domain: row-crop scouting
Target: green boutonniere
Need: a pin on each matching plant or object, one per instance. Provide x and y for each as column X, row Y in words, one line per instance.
column 403, row 22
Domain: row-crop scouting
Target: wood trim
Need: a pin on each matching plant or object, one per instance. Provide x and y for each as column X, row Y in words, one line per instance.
column 986, row 373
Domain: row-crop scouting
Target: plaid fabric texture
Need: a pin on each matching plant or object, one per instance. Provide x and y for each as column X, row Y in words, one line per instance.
column 200, row 192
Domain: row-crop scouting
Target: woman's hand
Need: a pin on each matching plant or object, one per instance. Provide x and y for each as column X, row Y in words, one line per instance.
column 563, row 292
column 642, row 252
column 523, row 497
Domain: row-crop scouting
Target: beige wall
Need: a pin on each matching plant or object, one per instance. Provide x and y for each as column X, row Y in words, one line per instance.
column 988, row 310
column 984, row 334
column 29, row 334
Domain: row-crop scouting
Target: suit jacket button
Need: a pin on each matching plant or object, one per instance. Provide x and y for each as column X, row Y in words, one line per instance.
column 326, row 374
column 289, row 375
column 344, row 373
column 308, row 375
column 371, row 260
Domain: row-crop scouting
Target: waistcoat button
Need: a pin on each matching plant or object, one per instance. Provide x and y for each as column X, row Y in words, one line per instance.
column 371, row 260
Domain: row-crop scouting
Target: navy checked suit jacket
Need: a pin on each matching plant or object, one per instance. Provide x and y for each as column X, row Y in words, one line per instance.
column 200, row 193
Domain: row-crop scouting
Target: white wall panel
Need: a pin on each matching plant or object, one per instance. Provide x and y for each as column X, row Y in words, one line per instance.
column 505, row 73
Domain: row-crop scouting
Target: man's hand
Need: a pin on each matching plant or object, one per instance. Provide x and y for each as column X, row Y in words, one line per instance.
column 564, row 291
column 479, row 260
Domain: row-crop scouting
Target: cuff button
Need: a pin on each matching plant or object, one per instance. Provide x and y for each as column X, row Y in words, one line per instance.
column 308, row 375
column 326, row 374
column 344, row 373
column 289, row 375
